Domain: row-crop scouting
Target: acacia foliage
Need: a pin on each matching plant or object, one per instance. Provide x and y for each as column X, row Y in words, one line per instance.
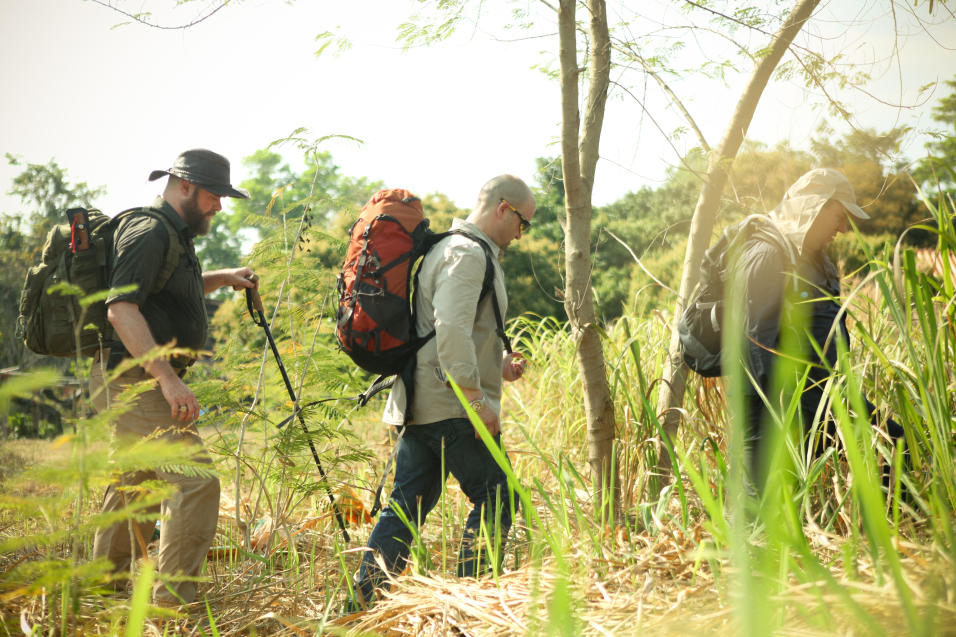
column 938, row 170
column 278, row 190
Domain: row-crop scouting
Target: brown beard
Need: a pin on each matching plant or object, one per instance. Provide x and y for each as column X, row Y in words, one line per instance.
column 196, row 220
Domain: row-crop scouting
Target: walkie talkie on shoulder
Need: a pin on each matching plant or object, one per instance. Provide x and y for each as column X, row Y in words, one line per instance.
column 79, row 230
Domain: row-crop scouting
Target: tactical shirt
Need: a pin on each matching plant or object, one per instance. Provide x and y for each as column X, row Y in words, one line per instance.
column 177, row 312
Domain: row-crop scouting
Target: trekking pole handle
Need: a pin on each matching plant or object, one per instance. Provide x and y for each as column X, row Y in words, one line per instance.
column 254, row 302
column 256, row 299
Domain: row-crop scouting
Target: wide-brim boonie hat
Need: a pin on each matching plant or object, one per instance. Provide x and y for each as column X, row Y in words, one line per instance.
column 204, row 168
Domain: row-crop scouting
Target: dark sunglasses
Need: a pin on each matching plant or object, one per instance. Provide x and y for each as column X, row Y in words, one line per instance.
column 525, row 224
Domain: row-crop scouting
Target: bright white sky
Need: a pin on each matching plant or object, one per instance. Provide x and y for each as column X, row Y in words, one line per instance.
column 112, row 104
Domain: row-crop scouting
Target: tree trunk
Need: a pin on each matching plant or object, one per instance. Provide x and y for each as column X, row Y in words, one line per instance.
column 579, row 160
column 671, row 396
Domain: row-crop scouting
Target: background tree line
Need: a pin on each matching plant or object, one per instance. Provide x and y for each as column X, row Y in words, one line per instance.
column 650, row 223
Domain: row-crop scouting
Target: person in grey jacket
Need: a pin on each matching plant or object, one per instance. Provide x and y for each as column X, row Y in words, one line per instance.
column 814, row 210
column 439, row 438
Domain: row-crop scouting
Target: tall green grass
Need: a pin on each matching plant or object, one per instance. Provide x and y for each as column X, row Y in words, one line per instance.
column 903, row 358
column 804, row 554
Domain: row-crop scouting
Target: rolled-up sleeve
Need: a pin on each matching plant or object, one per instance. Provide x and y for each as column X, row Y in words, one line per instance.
column 138, row 255
column 457, row 289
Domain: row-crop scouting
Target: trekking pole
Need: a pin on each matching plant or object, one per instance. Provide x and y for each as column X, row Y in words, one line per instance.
column 254, row 303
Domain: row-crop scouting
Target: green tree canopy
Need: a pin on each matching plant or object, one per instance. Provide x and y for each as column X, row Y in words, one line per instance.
column 278, row 191
column 937, row 172
column 46, row 192
column 883, row 189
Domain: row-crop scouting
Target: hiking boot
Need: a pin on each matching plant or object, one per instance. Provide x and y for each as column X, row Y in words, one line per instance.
column 356, row 603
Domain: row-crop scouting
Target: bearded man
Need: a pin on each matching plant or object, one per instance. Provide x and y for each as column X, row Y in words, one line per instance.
column 153, row 253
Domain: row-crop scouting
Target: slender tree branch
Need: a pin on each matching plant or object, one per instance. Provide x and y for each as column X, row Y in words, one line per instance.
column 640, row 263
column 729, row 18
column 138, row 17
column 666, row 137
column 670, row 93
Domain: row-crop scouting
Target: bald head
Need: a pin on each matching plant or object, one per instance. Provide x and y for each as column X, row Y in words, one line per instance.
column 507, row 187
column 504, row 203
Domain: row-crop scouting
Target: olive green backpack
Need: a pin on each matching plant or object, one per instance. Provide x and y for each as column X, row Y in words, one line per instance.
column 78, row 253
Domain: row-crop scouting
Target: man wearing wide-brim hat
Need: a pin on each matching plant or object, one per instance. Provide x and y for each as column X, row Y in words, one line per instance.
column 153, row 251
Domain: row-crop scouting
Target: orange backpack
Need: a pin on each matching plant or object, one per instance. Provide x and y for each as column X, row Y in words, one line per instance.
column 374, row 319
column 375, row 322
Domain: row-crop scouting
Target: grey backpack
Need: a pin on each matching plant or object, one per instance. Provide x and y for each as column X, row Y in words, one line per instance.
column 700, row 323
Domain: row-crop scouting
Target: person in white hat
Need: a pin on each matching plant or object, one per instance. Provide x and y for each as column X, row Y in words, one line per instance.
column 814, row 210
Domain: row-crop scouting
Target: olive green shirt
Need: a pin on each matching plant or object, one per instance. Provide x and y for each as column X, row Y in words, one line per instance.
column 177, row 312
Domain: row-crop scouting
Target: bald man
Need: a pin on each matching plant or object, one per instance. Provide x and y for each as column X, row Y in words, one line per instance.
column 466, row 348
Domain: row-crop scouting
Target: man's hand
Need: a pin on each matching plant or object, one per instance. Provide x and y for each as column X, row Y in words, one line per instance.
column 490, row 418
column 183, row 404
column 486, row 413
column 512, row 366
column 243, row 278
column 238, row 278
column 134, row 333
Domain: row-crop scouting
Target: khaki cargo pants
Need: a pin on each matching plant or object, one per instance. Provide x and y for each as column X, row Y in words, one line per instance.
column 189, row 515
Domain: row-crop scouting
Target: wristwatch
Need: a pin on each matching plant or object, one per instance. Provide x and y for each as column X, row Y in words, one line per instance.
column 476, row 405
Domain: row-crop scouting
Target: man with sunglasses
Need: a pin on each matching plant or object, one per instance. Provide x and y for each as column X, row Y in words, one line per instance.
column 439, row 438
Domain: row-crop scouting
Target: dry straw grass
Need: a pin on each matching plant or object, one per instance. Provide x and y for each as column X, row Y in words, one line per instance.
column 665, row 582
column 662, row 605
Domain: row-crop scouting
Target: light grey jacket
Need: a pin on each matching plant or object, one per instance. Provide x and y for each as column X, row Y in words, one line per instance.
column 466, row 346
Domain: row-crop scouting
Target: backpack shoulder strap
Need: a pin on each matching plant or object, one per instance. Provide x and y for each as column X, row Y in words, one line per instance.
column 174, row 251
column 433, row 238
column 764, row 229
column 488, row 285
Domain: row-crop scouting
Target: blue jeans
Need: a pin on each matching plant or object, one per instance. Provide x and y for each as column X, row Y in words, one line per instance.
column 417, row 489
